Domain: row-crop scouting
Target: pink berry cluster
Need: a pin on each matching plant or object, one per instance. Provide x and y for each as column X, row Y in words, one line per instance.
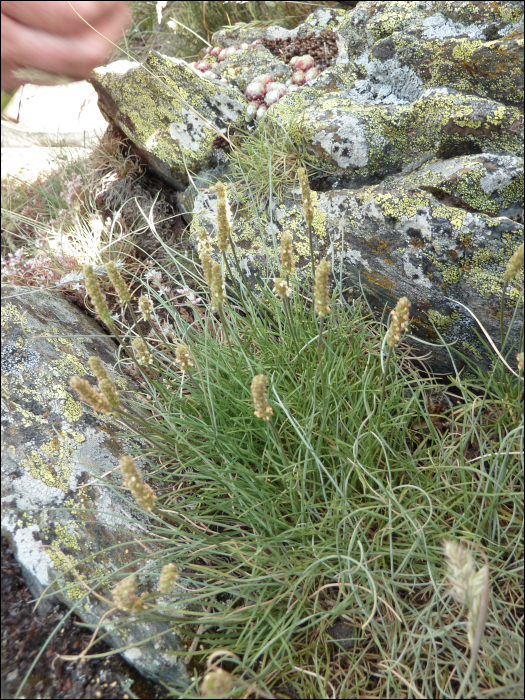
column 304, row 70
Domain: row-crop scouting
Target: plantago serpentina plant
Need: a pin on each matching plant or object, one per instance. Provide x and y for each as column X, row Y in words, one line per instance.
column 336, row 512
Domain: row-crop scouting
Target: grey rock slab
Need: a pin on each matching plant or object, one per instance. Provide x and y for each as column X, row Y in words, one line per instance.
column 70, row 523
column 172, row 114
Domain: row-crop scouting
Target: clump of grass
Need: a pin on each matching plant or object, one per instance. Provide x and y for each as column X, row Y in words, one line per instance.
column 266, row 164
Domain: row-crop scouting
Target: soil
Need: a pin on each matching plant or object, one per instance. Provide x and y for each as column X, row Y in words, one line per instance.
column 24, row 633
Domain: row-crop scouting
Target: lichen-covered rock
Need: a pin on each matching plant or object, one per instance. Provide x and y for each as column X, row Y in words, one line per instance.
column 443, row 241
column 415, row 135
column 170, row 112
column 69, row 521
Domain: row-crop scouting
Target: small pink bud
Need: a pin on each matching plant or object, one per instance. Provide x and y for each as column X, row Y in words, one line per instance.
column 222, row 55
column 298, row 78
column 261, row 111
column 193, row 64
column 293, row 61
column 215, row 51
column 231, row 51
column 203, row 65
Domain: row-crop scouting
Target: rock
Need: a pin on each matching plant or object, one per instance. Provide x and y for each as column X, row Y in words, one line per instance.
column 415, row 138
column 63, row 507
column 171, row 114
column 440, row 242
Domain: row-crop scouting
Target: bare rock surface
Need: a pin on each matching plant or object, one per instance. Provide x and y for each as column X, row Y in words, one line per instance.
column 68, row 519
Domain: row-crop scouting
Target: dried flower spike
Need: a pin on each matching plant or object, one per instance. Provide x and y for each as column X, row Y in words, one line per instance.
column 223, row 218
column 467, row 582
column 287, row 261
column 207, row 263
column 398, row 321
column 322, row 275
column 89, row 394
column 217, row 683
column 107, row 387
column 262, row 408
column 145, row 307
column 307, row 196
column 142, row 352
column 124, row 595
column 204, row 242
column 183, row 357
column 97, row 296
column 282, row 288
column 118, row 282
column 217, row 285
column 141, row 492
column 521, row 362
column 515, row 264
column 168, row 578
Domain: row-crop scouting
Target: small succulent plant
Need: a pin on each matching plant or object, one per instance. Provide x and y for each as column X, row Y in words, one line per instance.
column 255, row 91
column 274, row 94
column 298, row 78
column 311, row 73
column 304, row 63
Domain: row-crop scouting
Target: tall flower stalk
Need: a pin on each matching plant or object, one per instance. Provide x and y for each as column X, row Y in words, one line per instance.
column 308, row 210
column 513, row 267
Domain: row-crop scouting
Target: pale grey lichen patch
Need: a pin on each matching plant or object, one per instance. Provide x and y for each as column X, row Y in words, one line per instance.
column 388, row 82
column 441, row 27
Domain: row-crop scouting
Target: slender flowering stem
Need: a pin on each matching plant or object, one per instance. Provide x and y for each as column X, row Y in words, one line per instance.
column 308, row 211
column 263, row 409
column 513, row 267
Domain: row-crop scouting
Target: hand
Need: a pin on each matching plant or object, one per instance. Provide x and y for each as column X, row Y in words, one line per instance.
column 49, row 36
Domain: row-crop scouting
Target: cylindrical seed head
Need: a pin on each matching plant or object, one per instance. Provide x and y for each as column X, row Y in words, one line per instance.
column 118, row 282
column 141, row 492
column 89, row 394
column 223, row 218
column 287, row 259
column 307, row 196
column 515, row 264
column 282, row 287
column 124, row 595
column 398, row 321
column 168, row 578
column 145, row 307
column 97, row 296
column 183, row 357
column 217, row 285
column 262, row 408
column 321, row 295
column 142, row 352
